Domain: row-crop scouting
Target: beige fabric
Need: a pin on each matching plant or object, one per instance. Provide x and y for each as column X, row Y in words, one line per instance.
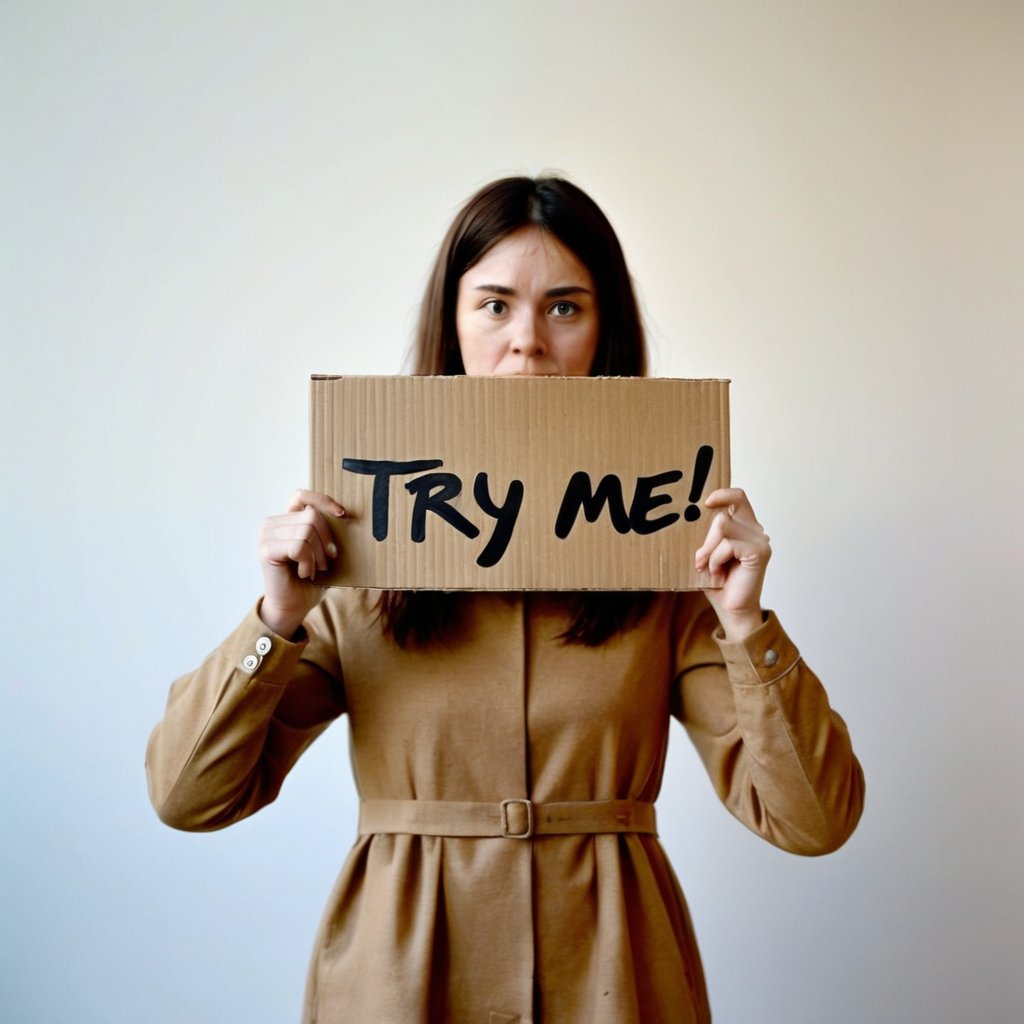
column 513, row 819
column 564, row 929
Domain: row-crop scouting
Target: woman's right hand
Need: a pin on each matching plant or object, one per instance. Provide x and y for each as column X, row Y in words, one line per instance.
column 294, row 547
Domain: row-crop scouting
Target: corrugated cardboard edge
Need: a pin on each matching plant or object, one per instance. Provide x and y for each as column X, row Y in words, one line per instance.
column 324, row 428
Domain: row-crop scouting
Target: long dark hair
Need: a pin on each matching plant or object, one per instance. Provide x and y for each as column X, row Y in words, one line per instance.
column 567, row 213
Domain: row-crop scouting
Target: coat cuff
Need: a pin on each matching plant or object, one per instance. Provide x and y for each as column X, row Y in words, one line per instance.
column 260, row 653
column 763, row 657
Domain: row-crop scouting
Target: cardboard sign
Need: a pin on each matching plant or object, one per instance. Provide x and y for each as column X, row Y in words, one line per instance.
column 519, row 483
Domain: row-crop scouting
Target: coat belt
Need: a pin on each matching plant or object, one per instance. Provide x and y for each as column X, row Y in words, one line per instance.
column 512, row 819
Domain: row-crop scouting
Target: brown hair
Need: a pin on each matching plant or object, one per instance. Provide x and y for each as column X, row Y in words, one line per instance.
column 568, row 214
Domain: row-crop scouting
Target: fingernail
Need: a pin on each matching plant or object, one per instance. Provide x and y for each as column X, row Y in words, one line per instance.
column 332, row 550
column 341, row 513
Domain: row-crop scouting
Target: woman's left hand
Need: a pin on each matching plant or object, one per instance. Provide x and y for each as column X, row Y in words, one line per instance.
column 735, row 553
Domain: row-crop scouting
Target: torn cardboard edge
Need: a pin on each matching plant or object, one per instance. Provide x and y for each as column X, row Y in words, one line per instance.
column 519, row 483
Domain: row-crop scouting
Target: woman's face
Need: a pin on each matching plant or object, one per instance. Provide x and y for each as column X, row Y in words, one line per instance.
column 528, row 308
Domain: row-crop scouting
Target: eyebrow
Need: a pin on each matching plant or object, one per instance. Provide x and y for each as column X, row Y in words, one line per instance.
column 551, row 293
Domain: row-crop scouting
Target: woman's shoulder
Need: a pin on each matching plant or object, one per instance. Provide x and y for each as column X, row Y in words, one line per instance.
column 344, row 610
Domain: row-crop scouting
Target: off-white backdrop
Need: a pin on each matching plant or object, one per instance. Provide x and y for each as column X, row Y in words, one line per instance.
column 203, row 203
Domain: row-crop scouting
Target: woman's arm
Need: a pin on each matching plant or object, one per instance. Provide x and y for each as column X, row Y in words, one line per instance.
column 234, row 727
column 777, row 754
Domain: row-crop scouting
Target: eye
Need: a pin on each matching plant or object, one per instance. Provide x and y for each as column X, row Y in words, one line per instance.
column 496, row 307
column 564, row 308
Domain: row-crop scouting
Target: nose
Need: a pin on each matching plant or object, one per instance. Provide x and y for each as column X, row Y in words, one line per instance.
column 528, row 339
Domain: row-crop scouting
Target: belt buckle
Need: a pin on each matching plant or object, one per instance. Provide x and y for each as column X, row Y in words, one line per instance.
column 506, row 830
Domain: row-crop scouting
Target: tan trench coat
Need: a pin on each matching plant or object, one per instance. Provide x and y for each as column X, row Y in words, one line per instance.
column 565, row 929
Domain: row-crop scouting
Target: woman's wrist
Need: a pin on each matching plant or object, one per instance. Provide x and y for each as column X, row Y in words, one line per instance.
column 739, row 625
column 283, row 624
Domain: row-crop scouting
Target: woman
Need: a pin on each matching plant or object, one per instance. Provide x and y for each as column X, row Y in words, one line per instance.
column 508, row 747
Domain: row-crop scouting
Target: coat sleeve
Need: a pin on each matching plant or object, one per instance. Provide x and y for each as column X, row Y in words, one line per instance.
column 235, row 726
column 777, row 754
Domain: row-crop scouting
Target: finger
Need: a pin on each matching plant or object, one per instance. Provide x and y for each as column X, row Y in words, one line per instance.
column 726, row 524
column 723, row 553
column 313, row 512
column 724, row 496
column 286, row 552
column 751, row 553
column 297, row 531
column 317, row 522
column 323, row 503
column 734, row 500
column 715, row 535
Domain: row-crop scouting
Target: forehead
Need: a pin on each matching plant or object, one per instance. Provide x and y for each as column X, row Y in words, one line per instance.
column 529, row 251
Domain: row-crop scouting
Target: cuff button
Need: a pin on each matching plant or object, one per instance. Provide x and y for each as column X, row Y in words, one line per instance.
column 250, row 663
column 263, row 645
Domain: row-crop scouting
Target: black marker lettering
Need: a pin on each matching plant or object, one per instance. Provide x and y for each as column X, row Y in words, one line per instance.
column 382, row 472
column 701, row 468
column 433, row 492
column 644, row 500
column 505, row 517
column 579, row 495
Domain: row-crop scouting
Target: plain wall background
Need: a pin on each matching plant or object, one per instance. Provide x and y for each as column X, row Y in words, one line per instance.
column 205, row 203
